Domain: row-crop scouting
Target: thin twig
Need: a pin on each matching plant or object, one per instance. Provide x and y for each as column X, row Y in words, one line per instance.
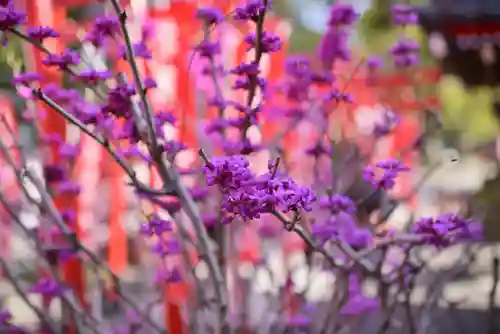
column 492, row 308
column 43, row 316
column 103, row 142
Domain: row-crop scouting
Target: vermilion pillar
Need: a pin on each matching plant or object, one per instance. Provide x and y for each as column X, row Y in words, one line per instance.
column 183, row 32
column 117, row 242
column 55, row 16
column 274, row 66
column 185, row 29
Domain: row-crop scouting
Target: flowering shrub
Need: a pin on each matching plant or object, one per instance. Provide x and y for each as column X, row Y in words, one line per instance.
column 323, row 214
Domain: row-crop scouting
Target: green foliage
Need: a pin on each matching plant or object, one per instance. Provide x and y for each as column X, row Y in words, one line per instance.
column 374, row 21
column 467, row 111
column 10, row 57
column 303, row 40
column 488, row 199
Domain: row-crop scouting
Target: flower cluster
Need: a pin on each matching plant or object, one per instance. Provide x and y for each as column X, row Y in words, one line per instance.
column 403, row 15
column 383, row 174
column 48, row 288
column 334, row 44
column 447, row 229
column 165, row 244
column 10, row 18
column 104, row 27
column 358, row 303
column 247, row 75
column 341, row 224
column 252, row 10
column 405, row 52
column 247, row 196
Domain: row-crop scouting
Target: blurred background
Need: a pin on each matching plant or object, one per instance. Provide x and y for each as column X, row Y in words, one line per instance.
column 454, row 92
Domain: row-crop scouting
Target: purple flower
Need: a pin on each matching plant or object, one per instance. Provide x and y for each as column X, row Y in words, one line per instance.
column 338, row 226
column 140, row 50
column 324, row 231
column 159, row 226
column 342, row 15
column 210, row 219
column 337, row 203
column 68, row 188
column 339, row 96
column 297, row 66
column 210, row 15
column 393, row 165
column 373, row 63
column 246, row 69
column 173, row 147
column 106, row 26
column 93, row 77
column 63, row 60
column 69, row 151
column 150, row 83
column 119, row 103
column 166, row 117
column 47, row 287
column 291, row 196
column 146, row 230
column 404, row 14
column 447, row 229
column 358, row 238
column 26, row 78
column 324, row 78
column 359, row 304
column 54, row 173
column 42, row 33
column 389, row 169
column 148, row 30
column 167, row 247
column 5, row 317
column 95, row 38
column 269, row 42
column 208, row 49
column 333, row 46
column 405, row 53
column 199, row 194
column 68, row 216
column 217, row 125
column 245, row 83
column 298, row 90
column 251, row 10
column 168, row 276
column 248, row 196
column 229, row 173
column 299, row 321
column 130, row 131
column 60, row 95
column 10, row 17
